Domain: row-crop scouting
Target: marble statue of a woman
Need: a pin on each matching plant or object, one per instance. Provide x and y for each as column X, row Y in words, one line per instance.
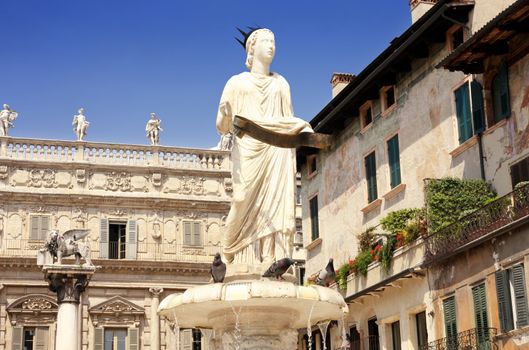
column 260, row 225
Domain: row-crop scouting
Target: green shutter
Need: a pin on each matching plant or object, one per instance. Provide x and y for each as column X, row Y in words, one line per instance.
column 478, row 113
column 34, row 234
column 132, row 239
column 464, row 122
column 394, row 161
column 315, row 230
column 480, row 312
column 187, row 232
column 520, row 296
column 422, row 330
column 449, row 308
column 500, row 94
column 99, row 338
column 134, row 339
column 504, row 301
column 371, row 177
column 103, row 239
column 17, row 338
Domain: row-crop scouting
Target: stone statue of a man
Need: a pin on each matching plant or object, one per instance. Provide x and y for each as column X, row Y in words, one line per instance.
column 261, row 223
column 80, row 124
column 7, row 117
column 153, row 129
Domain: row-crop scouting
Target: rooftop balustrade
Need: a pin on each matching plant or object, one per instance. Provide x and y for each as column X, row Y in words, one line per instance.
column 112, row 154
column 503, row 213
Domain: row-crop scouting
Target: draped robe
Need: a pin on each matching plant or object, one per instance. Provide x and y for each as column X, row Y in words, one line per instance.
column 263, row 175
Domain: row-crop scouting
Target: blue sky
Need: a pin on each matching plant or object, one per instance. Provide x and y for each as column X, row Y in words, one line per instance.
column 122, row 59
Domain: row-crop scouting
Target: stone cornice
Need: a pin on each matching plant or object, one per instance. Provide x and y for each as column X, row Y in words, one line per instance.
column 137, row 202
column 113, row 266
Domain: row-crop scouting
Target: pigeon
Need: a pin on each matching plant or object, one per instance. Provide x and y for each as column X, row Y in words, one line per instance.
column 278, row 268
column 326, row 276
column 218, row 269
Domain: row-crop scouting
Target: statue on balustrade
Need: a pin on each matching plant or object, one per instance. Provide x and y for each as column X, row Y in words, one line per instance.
column 7, row 117
column 153, row 129
column 80, row 124
column 261, row 223
column 69, row 243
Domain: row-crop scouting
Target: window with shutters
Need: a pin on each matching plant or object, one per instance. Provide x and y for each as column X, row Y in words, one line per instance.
column 366, row 116
column 193, row 233
column 520, row 172
column 449, row 311
column 387, row 99
column 394, row 161
column 512, row 298
column 469, row 110
column 117, row 240
column 371, row 176
column 422, row 330
column 480, row 315
column 39, row 227
column 395, row 335
column 30, row 338
column 314, row 223
column 312, row 165
column 501, row 103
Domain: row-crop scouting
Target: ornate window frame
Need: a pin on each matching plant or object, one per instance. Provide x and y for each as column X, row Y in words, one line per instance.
column 33, row 310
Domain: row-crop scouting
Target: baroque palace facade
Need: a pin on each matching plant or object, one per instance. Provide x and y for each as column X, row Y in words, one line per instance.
column 447, row 98
column 154, row 215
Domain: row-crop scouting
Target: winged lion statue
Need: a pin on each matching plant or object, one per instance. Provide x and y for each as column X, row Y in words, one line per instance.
column 68, row 244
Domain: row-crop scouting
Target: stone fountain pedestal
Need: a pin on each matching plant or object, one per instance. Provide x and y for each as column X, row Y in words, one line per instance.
column 69, row 282
column 252, row 314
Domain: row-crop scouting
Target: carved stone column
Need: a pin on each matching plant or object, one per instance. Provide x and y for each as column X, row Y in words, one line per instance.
column 69, row 282
column 155, row 318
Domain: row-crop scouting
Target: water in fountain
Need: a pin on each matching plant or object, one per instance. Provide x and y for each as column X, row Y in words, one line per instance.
column 237, row 330
column 309, row 327
column 323, row 326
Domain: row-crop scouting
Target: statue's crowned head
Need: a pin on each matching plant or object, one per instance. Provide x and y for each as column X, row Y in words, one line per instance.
column 81, row 110
column 259, row 43
column 6, row 106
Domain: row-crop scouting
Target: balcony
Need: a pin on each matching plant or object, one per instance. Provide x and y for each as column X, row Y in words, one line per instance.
column 497, row 217
column 23, row 248
column 405, row 264
column 473, row 339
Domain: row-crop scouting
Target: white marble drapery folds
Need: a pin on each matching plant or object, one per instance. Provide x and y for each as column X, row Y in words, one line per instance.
column 261, row 222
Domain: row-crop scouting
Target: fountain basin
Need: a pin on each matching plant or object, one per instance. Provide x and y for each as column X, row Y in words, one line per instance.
column 261, row 304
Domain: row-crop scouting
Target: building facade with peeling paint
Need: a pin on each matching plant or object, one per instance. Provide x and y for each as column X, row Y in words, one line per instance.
column 449, row 97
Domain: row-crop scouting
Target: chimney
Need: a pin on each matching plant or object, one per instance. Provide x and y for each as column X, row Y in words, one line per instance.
column 339, row 81
column 419, row 8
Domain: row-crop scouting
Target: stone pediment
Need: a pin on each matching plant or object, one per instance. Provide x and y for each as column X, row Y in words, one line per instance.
column 33, row 303
column 33, row 309
column 117, row 305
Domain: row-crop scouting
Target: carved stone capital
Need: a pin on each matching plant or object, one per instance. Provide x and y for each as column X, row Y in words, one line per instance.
column 156, row 291
column 67, row 287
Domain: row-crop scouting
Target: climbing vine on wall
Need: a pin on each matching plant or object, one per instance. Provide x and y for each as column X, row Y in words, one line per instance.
column 448, row 199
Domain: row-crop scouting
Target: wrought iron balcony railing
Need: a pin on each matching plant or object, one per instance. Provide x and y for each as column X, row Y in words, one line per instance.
column 480, row 223
column 473, row 339
column 25, row 248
